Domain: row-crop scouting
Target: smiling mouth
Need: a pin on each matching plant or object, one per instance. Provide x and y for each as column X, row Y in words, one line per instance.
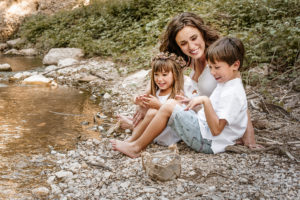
column 194, row 51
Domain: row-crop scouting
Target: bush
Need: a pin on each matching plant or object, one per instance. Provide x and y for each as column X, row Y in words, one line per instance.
column 128, row 30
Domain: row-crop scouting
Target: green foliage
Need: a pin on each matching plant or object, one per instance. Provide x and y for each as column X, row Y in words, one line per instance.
column 269, row 29
column 109, row 28
column 128, row 30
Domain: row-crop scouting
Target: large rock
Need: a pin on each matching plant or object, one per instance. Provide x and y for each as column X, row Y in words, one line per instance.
column 5, row 67
column 3, row 46
column 56, row 54
column 12, row 52
column 14, row 43
column 28, row 52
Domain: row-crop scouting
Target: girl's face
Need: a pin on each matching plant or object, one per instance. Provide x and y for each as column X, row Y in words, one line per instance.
column 191, row 42
column 164, row 81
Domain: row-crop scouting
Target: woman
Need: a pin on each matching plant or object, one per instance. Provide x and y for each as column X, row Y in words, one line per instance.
column 188, row 37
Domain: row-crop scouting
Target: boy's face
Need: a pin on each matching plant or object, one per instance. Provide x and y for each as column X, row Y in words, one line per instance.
column 223, row 72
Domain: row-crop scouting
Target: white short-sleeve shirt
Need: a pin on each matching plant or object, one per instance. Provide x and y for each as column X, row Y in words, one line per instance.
column 230, row 103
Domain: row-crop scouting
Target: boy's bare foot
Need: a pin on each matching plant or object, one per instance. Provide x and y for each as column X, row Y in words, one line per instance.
column 126, row 148
column 125, row 122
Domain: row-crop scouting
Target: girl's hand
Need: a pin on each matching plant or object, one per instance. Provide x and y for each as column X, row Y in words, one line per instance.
column 195, row 102
column 139, row 100
column 182, row 99
column 139, row 115
column 151, row 102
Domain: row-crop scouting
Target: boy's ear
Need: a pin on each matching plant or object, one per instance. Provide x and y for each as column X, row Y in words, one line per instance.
column 236, row 65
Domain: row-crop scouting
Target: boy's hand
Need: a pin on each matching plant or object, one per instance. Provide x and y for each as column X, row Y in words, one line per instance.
column 194, row 102
column 151, row 101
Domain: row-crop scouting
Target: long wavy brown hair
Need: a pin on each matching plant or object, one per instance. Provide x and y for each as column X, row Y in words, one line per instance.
column 168, row 42
column 167, row 64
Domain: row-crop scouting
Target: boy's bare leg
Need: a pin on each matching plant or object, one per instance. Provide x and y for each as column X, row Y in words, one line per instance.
column 125, row 122
column 140, row 128
column 156, row 126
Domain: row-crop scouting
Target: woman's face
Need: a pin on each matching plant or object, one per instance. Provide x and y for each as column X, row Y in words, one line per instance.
column 191, row 42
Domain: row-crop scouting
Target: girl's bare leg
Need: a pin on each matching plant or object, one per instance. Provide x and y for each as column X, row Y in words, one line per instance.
column 140, row 128
column 156, row 126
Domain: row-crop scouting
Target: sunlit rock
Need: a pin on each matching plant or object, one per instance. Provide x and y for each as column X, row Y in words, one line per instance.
column 37, row 80
column 14, row 43
column 135, row 79
column 67, row 62
column 3, row 46
column 12, row 52
column 28, row 52
column 21, row 75
column 56, row 54
column 40, row 192
column 5, row 67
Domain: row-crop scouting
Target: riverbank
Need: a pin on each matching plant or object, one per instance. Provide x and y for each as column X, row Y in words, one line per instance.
column 93, row 171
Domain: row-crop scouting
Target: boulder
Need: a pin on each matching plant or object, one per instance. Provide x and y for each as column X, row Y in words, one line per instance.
column 28, row 52
column 37, row 80
column 3, row 46
column 56, row 54
column 67, row 62
column 5, row 67
column 12, row 52
column 40, row 192
column 14, row 43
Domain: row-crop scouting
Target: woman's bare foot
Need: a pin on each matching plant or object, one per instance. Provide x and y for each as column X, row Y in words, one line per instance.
column 250, row 144
column 125, row 122
column 126, row 148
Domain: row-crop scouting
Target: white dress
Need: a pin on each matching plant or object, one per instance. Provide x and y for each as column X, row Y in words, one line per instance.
column 167, row 136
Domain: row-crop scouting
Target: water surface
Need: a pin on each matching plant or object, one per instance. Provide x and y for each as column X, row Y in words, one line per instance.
column 21, row 63
column 34, row 119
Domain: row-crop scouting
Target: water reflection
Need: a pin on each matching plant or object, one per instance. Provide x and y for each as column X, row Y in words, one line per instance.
column 21, row 63
column 32, row 118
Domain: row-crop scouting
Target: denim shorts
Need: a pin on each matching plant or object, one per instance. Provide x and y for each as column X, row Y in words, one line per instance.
column 186, row 126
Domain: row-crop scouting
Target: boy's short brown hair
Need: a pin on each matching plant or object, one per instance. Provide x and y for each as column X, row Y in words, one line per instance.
column 226, row 49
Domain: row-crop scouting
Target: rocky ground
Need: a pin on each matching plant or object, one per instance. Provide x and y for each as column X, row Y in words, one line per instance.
column 94, row 171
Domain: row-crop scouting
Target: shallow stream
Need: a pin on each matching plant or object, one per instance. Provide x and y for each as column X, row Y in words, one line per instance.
column 33, row 120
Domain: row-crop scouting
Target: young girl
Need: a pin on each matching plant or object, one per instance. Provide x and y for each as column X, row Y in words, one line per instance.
column 166, row 83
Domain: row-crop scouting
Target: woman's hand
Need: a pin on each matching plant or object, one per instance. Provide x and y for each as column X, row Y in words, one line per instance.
column 151, row 102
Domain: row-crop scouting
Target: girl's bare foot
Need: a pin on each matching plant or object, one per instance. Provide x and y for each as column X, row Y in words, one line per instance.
column 126, row 148
column 125, row 122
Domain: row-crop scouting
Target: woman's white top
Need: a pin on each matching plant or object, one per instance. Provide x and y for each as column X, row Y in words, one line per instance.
column 206, row 82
